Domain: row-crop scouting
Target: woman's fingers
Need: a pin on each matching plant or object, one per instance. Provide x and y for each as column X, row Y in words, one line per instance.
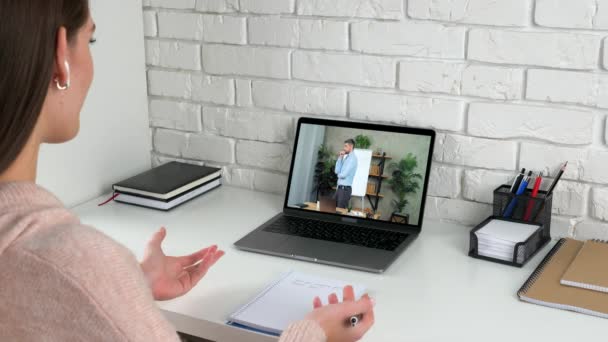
column 158, row 237
column 366, row 322
column 333, row 299
column 367, row 318
column 359, row 307
column 193, row 258
column 316, row 303
column 198, row 271
column 348, row 294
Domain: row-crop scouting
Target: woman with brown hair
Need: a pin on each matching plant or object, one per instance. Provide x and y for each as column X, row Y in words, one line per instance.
column 61, row 280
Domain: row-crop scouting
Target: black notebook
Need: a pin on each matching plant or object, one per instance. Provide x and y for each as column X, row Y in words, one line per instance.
column 168, row 181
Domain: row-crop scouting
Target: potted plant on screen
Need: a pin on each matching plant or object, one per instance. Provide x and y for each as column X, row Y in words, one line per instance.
column 404, row 181
column 325, row 178
column 363, row 142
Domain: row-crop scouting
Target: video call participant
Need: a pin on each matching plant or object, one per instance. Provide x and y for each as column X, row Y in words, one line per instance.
column 346, row 167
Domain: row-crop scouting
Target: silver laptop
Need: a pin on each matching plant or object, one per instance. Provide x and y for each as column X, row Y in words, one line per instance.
column 355, row 196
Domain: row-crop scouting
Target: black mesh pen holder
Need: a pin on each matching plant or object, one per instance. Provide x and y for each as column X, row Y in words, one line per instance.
column 518, row 209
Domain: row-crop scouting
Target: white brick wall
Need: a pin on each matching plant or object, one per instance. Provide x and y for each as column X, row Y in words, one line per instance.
column 485, row 12
column 506, row 83
column 408, row 39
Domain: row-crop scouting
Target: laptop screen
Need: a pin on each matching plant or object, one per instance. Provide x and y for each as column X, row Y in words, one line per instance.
column 361, row 171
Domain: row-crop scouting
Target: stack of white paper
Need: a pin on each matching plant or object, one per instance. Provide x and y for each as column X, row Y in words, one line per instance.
column 498, row 238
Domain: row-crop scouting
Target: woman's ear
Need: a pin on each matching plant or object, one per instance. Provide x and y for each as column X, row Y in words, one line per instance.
column 61, row 69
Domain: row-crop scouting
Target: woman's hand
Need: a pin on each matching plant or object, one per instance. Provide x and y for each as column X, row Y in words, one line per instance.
column 171, row 277
column 334, row 318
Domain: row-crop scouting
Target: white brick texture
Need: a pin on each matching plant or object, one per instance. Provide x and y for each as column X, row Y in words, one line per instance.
column 409, row 39
column 263, row 155
column 410, row 110
column 484, row 12
column 150, row 27
column 469, row 213
column 476, row 152
column 249, row 61
column 547, row 159
column 180, row 25
column 568, row 87
column 178, row 55
column 217, row 6
column 267, row 6
column 605, row 53
column 459, row 78
column 269, row 182
column 224, row 29
column 507, row 84
column 211, row 89
column 303, row 33
column 175, row 115
column 599, row 204
column 569, row 198
column 379, row 9
column 582, row 14
column 479, row 185
column 557, row 125
column 445, row 181
column 242, row 124
column 361, row 70
column 299, row 98
column 178, row 4
column 555, row 50
column 169, row 83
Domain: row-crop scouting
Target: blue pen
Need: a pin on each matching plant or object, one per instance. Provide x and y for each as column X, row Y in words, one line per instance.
column 522, row 188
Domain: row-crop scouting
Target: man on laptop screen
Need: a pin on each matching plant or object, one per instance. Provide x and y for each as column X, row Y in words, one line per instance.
column 381, row 180
column 346, row 167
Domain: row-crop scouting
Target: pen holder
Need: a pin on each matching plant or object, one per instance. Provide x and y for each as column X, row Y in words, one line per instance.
column 524, row 207
column 520, row 209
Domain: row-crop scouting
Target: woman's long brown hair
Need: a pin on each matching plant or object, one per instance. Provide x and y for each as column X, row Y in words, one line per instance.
column 28, row 41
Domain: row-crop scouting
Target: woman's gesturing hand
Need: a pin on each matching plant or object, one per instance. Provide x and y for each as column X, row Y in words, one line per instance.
column 335, row 316
column 171, row 277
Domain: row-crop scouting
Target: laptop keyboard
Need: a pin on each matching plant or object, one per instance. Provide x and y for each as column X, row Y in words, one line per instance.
column 336, row 232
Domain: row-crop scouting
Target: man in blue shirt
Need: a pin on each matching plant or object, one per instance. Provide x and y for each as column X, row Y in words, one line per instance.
column 346, row 167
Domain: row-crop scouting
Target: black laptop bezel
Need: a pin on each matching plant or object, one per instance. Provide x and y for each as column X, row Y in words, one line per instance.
column 363, row 222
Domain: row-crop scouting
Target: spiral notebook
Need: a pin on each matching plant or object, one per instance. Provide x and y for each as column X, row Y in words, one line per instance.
column 287, row 300
column 544, row 287
column 589, row 269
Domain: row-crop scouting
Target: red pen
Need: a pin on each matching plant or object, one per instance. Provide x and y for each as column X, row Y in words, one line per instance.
column 537, row 183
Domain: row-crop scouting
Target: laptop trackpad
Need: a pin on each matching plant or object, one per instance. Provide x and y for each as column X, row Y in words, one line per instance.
column 319, row 249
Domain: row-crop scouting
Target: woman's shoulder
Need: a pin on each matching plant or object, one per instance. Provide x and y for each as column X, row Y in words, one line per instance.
column 104, row 278
column 80, row 242
column 78, row 251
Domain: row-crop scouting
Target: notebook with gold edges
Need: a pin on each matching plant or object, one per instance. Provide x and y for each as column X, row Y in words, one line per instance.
column 589, row 270
column 544, row 286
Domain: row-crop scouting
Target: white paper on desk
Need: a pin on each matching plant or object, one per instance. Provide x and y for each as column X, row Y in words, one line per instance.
column 506, row 231
column 288, row 300
column 502, row 256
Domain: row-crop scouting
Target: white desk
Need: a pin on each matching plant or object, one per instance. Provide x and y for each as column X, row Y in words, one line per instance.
column 433, row 292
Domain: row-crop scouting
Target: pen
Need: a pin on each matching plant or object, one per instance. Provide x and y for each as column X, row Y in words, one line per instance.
column 354, row 320
column 517, row 181
column 537, row 183
column 559, row 176
column 522, row 188
column 551, row 188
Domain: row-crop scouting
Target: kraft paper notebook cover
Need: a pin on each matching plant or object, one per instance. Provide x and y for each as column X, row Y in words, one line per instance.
column 589, row 270
column 544, row 287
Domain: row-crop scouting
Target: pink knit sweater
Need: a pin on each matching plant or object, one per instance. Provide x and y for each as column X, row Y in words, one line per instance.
column 63, row 281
